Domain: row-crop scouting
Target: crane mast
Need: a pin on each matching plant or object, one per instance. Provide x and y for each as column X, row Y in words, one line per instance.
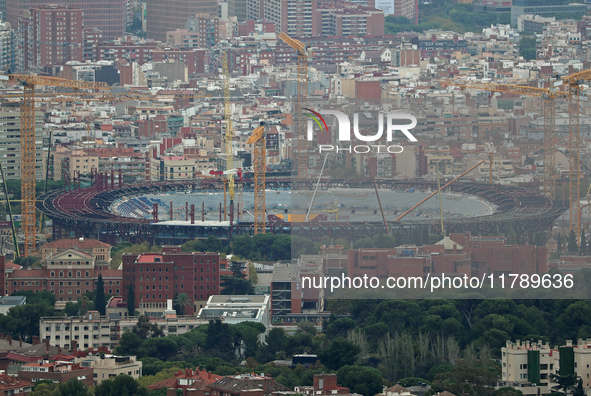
column 257, row 139
column 228, row 139
column 99, row 91
column 301, row 103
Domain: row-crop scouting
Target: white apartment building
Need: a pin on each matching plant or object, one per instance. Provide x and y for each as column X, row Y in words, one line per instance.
column 528, row 366
column 10, row 144
column 110, row 366
column 93, row 330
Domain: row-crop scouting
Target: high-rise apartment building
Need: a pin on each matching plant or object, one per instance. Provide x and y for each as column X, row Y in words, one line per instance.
column 237, row 8
column 110, row 16
column 10, row 144
column 164, row 16
column 7, row 47
column 406, row 8
column 54, row 37
column 297, row 18
column 315, row 18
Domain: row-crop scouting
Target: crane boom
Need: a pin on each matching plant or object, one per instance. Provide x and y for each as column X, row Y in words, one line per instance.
column 28, row 99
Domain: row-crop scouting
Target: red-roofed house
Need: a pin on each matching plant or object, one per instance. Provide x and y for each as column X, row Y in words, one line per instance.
column 14, row 386
column 324, row 384
column 57, row 371
column 194, row 379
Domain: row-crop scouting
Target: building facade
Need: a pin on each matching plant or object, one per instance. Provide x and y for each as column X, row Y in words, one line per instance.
column 68, row 270
column 109, row 366
column 94, row 330
column 156, row 278
column 110, row 16
column 163, row 16
column 10, row 146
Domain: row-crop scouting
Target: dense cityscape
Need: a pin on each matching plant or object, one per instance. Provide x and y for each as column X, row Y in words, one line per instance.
column 195, row 200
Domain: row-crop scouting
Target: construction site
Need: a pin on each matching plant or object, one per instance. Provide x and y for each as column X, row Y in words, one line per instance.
column 244, row 195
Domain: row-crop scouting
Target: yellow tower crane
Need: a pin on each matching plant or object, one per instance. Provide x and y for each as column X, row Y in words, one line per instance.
column 299, row 119
column 257, row 139
column 27, row 99
column 229, row 135
column 28, row 145
column 572, row 82
column 549, row 106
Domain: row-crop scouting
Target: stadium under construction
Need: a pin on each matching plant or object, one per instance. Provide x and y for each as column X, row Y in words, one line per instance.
column 153, row 212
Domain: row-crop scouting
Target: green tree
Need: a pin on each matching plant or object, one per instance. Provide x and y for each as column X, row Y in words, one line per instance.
column 44, row 388
column 583, row 247
column 144, row 329
column 360, row 379
column 37, row 297
column 220, row 341
column 182, row 300
column 466, row 381
column 73, row 388
column 130, row 300
column 100, row 301
column 129, row 344
column 252, row 274
column 162, row 348
column 23, row 320
column 120, row 385
column 572, row 242
column 340, row 353
column 567, row 384
column 233, row 285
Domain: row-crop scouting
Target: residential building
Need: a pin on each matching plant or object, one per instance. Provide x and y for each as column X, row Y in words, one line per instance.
column 7, row 47
column 10, row 149
column 238, row 9
column 72, row 161
column 55, row 34
column 110, row 16
column 198, row 380
column 127, row 50
column 56, row 371
column 193, row 58
column 156, row 278
column 171, row 15
column 108, row 366
column 172, row 167
column 125, row 160
column 529, row 366
column 13, row 386
column 344, row 18
column 297, row 18
column 92, row 37
column 324, row 385
column 95, row 331
column 200, row 31
column 246, row 384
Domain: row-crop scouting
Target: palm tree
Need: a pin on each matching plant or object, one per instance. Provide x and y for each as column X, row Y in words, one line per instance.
column 182, row 300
